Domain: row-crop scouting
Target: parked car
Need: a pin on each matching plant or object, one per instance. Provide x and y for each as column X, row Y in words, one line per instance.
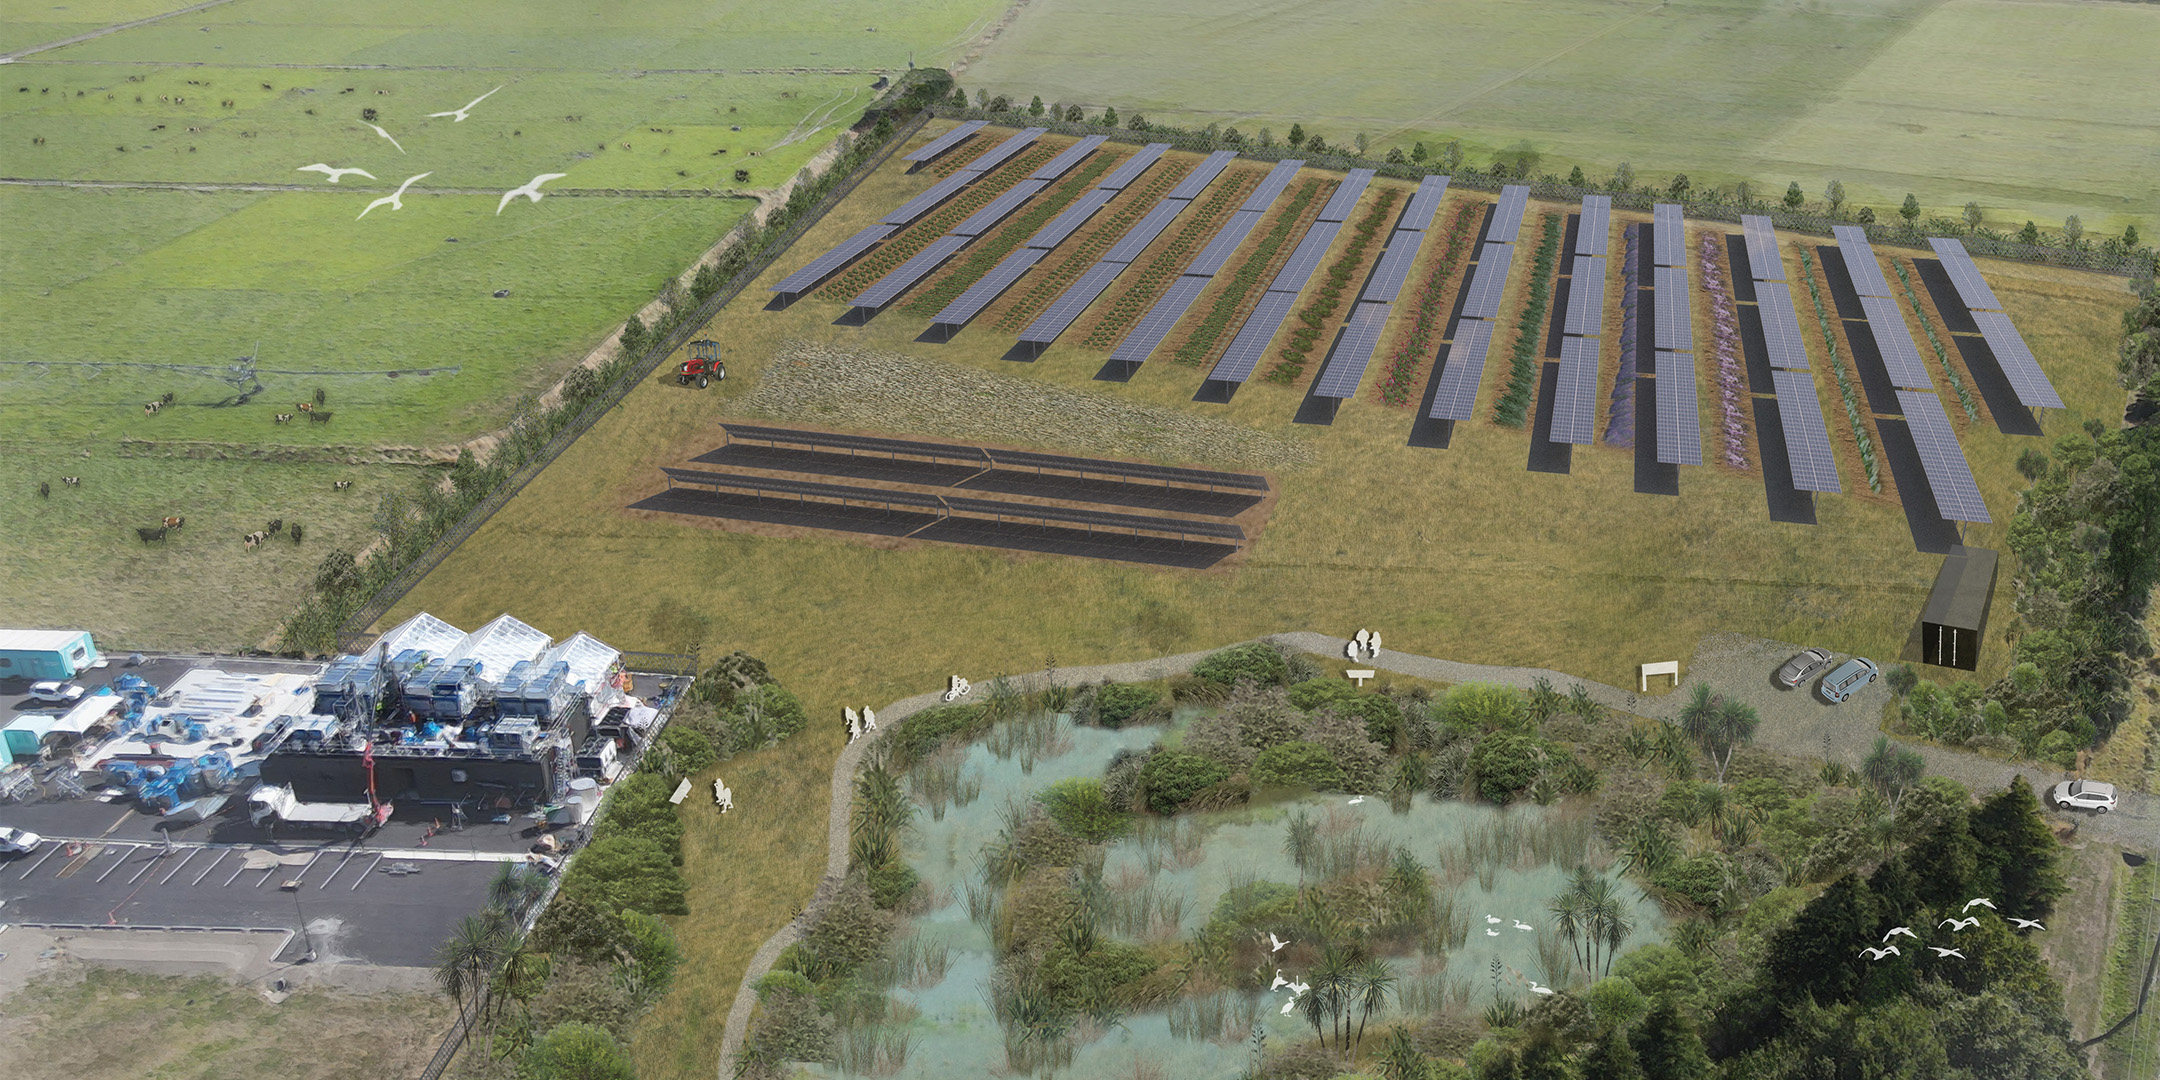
column 57, row 693
column 1847, row 680
column 2084, row 795
column 16, row 841
column 1803, row 667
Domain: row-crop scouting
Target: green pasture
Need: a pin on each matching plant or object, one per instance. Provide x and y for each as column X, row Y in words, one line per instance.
column 2034, row 110
column 29, row 24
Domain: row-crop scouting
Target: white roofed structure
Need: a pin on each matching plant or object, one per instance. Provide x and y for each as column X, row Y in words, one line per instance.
column 499, row 646
column 589, row 658
column 423, row 631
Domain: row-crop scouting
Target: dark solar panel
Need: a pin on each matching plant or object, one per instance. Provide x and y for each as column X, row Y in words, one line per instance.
column 1901, row 358
column 979, row 295
column 1047, row 326
column 1225, row 244
column 1949, row 475
column 1456, row 396
column 1131, row 469
column 1345, row 198
column 2018, row 364
column 1781, row 326
column 1507, row 220
column 1097, row 518
column 1073, row 155
column 1586, row 298
column 1068, row 222
column 1252, row 339
column 1574, row 417
column 1132, row 167
column 1671, row 235
column 1762, row 248
column 1596, row 225
column 1867, row 276
column 1272, row 185
column 1489, row 282
column 1004, row 150
column 931, row 197
column 1159, row 321
column 828, row 264
column 1965, row 276
column 1807, row 441
column 1204, row 174
column 851, row 443
column 1424, row 206
column 1394, row 266
column 1674, row 327
column 994, row 211
column 947, row 141
column 1346, row 367
column 1306, row 259
column 1679, row 422
column 779, row 486
column 1145, row 231
column 903, row 277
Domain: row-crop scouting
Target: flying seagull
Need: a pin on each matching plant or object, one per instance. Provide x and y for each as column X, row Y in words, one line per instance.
column 1877, row 954
column 392, row 198
column 530, row 190
column 1942, row 952
column 1905, row 930
column 334, row 174
column 1275, row 944
column 460, row 113
column 1982, row 901
column 386, row 135
column 2028, row 924
column 1961, row 924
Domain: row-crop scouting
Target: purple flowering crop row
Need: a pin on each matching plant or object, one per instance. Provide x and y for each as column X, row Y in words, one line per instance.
column 1725, row 359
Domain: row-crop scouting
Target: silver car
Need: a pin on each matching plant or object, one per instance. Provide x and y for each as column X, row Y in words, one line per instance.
column 1803, row 667
column 1847, row 680
column 2084, row 795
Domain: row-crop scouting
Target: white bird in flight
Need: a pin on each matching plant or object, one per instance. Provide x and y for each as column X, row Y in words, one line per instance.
column 1905, row 930
column 1877, row 954
column 1961, row 924
column 460, row 113
column 333, row 173
column 531, row 190
column 2028, row 924
column 393, row 197
column 1982, row 901
column 1942, row 952
column 386, row 135
column 1521, row 925
column 1275, row 944
column 1280, row 982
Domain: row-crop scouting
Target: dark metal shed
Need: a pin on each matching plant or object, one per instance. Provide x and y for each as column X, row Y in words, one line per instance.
column 1956, row 615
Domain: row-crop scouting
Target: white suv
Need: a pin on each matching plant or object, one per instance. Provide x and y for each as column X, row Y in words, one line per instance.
column 56, row 693
column 2084, row 795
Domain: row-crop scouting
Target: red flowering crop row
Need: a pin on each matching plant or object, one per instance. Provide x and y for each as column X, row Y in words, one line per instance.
column 1428, row 312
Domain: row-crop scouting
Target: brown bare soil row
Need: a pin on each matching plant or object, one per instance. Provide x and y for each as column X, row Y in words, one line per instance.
column 928, row 228
column 1004, row 240
column 1019, row 307
column 1180, row 344
column 1137, row 289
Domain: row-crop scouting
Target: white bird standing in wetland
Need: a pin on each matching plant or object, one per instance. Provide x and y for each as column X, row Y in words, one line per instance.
column 335, row 174
column 394, row 198
column 459, row 114
column 386, row 135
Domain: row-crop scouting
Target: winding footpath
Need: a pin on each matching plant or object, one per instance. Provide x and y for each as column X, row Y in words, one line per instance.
column 1794, row 722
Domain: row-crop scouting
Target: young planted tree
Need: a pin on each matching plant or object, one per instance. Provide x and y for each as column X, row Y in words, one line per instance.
column 2030, row 234
column 1835, row 196
column 1418, row 154
column 1892, row 770
column 1035, row 106
column 1793, row 196
column 1297, row 136
column 1073, row 114
column 1623, row 177
column 2073, row 232
column 1910, row 209
column 1575, row 177
column 1718, row 725
column 1109, row 116
column 1972, row 217
column 1744, row 194
column 1678, row 189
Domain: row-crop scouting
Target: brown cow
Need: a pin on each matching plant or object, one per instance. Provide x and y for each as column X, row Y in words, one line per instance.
column 175, row 522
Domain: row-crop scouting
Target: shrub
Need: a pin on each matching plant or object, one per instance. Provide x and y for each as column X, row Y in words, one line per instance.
column 892, row 883
column 577, row 1051
column 1092, row 980
column 1120, row 703
column 682, row 751
column 1473, row 708
column 849, row 931
column 1256, row 662
column 1506, row 764
column 1378, row 712
column 1698, row 881
column 1081, row 808
column 1172, row 777
column 628, row 873
column 1298, row 764
column 920, row 735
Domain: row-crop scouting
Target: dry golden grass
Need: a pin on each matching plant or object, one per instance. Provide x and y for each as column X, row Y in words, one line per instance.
column 1457, row 553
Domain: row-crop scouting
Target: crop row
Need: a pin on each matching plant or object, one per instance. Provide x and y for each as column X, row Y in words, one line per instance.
column 1514, row 404
column 1200, row 343
column 927, row 229
column 991, row 250
column 1620, row 423
column 1428, row 311
column 1087, row 246
column 1322, row 308
column 1725, row 356
column 1942, row 357
column 1844, row 381
column 1148, row 285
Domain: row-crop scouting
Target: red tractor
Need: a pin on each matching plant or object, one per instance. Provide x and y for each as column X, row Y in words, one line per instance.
column 704, row 365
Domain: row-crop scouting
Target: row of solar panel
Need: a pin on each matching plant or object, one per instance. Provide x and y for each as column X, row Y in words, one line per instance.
column 1679, row 424
column 931, row 150
column 1575, row 398
column 1156, row 325
column 1669, row 235
column 1456, row 396
column 1762, row 250
column 1586, row 298
column 953, row 503
column 1592, row 228
column 2019, row 366
column 1361, row 334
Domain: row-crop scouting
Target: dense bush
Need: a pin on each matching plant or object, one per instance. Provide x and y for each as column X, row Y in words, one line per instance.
column 1476, row 708
column 1092, row 980
column 1121, row 703
column 1698, row 881
column 628, row 873
column 1298, row 764
column 891, row 883
column 1505, row 764
column 1080, row 807
column 921, row 734
column 577, row 1051
column 1378, row 712
column 1256, row 662
column 1171, row 777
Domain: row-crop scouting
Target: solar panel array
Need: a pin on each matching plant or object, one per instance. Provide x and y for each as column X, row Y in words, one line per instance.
column 1272, row 185
column 930, row 150
column 1949, row 475
column 1508, row 216
column 1243, row 355
column 1068, row 306
column 1346, row 368
column 1425, row 205
column 1073, row 155
column 1489, row 282
column 1004, row 150
column 1150, row 227
column 1596, row 224
column 1781, row 326
column 1361, row 335
column 1575, row 399
column 1345, row 198
column 903, row 277
column 1964, row 276
column 1901, row 358
column 1673, row 328
column 1160, row 319
column 1393, row 270
column 993, row 284
column 1586, row 298
column 932, row 196
column 1867, row 278
column 2017, row 361
column 994, row 211
column 1306, row 258
column 1163, row 317
column 1807, row 441
column 1457, row 394
column 1762, row 249
column 1204, row 174
column 1679, row 424
column 1069, row 221
column 1670, row 235
column 1122, row 177
column 828, row 264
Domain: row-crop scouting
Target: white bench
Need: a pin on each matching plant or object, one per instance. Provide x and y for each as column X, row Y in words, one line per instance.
column 1669, row 667
column 1360, row 674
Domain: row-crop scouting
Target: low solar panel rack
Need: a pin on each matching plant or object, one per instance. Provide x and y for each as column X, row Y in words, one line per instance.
column 1679, row 419
column 936, row 148
column 1202, row 175
column 2017, row 361
column 1340, row 204
column 1122, row 177
column 1781, row 326
column 1673, row 326
column 1168, row 474
column 1456, row 396
column 1072, row 155
column 1586, row 298
column 816, row 271
column 1964, row 274
column 1894, row 342
column 1092, row 519
column 773, row 436
column 1424, row 207
column 1574, row 415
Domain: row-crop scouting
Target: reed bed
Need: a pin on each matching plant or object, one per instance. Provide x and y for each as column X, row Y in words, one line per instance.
column 1223, row 1017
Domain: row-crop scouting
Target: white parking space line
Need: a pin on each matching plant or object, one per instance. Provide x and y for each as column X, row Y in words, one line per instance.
column 301, row 877
column 56, row 846
column 235, row 874
column 365, row 874
column 170, row 874
column 334, row 872
column 213, row 865
column 149, row 866
column 268, row 872
column 121, row 851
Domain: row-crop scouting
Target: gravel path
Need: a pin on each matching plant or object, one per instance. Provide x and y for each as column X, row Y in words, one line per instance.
column 1794, row 722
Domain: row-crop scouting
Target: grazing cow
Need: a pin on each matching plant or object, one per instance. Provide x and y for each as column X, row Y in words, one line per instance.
column 167, row 399
column 296, row 532
column 44, row 490
column 305, row 406
column 319, row 417
column 254, row 538
column 147, row 535
column 319, row 395
column 340, row 485
column 71, row 481
column 150, row 408
column 284, row 418
column 276, row 526
column 175, row 522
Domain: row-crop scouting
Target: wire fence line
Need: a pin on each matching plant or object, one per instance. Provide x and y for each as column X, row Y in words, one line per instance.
column 353, row 633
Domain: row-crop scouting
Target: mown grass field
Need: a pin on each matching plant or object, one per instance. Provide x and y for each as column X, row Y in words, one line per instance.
column 2034, row 110
column 1458, row 553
